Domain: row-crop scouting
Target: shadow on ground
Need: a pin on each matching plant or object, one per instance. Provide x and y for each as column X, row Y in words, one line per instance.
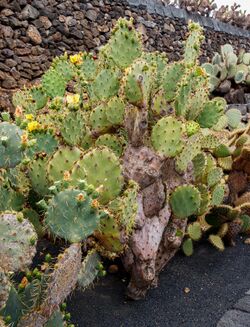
column 216, row 281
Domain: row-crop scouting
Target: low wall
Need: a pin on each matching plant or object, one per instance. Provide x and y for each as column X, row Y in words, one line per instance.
column 32, row 32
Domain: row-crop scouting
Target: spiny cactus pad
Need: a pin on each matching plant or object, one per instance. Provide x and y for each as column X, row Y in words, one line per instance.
column 111, row 141
column 101, row 168
column 54, row 83
column 18, row 242
column 167, row 136
column 124, row 45
column 4, row 289
column 37, row 174
column 63, row 279
column 62, row 160
column 89, row 269
column 72, row 215
column 10, row 145
column 185, row 201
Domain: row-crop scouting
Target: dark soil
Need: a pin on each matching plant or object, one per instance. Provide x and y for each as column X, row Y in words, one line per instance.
column 216, row 281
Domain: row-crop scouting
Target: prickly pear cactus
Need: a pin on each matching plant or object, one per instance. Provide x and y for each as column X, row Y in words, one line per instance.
column 111, row 161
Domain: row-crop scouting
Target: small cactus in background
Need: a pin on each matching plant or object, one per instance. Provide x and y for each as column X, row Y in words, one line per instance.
column 107, row 166
column 227, row 71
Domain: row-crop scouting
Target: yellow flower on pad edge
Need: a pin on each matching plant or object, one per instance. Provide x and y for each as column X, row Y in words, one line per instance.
column 76, row 59
column 73, row 99
column 29, row 117
column 33, row 126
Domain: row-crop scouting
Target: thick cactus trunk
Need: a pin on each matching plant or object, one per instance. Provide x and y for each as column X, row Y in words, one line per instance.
column 154, row 241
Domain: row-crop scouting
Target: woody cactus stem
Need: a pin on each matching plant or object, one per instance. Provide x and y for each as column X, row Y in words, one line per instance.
column 154, row 241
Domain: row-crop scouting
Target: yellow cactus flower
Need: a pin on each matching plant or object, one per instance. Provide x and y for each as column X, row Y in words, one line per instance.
column 29, row 117
column 33, row 126
column 76, row 59
column 73, row 99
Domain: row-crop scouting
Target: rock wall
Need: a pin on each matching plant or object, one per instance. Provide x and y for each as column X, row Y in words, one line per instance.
column 32, row 32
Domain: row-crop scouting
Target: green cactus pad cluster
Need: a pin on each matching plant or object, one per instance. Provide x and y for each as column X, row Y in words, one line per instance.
column 10, row 145
column 18, row 242
column 185, row 201
column 167, row 136
column 101, row 168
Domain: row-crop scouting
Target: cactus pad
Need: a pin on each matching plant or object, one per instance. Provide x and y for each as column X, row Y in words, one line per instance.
column 212, row 112
column 37, row 175
column 171, row 78
column 218, row 195
column 217, row 242
column 115, row 111
column 45, row 144
column 137, row 83
column 54, row 83
column 100, row 168
column 4, row 289
column 10, row 145
column 111, row 141
column 185, row 201
column 63, row 279
column 109, row 236
column 194, row 231
column 71, row 215
column 89, row 270
column 18, row 242
column 73, row 128
column 234, row 117
column 105, row 85
column 62, row 161
column 124, row 45
column 167, row 136
column 188, row 247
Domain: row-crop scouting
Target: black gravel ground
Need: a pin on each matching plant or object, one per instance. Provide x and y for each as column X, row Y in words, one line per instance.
column 216, row 282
